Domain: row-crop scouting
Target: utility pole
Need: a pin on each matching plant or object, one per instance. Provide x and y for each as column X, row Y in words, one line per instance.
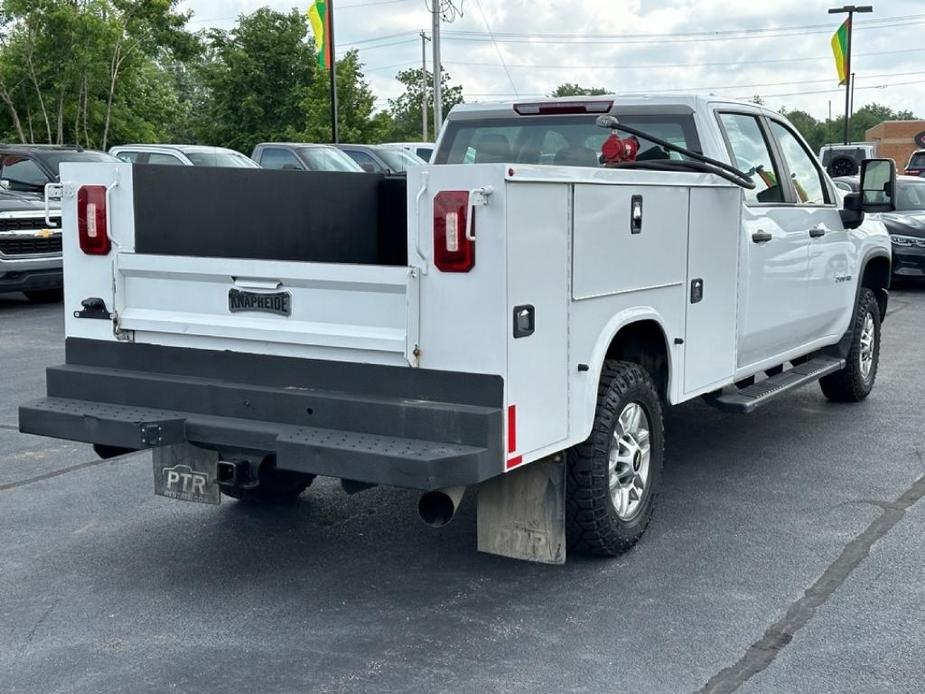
column 438, row 71
column 329, row 35
column 850, row 10
column 424, row 41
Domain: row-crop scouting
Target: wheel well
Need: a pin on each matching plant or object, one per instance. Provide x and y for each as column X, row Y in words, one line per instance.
column 877, row 277
column 643, row 343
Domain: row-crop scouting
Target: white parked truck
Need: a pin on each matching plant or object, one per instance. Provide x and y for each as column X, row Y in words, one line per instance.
column 512, row 318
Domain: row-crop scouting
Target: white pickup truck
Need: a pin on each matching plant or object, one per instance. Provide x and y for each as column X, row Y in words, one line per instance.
column 514, row 316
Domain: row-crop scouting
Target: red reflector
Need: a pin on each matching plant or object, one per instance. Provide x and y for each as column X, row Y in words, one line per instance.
column 453, row 252
column 514, row 462
column 563, row 108
column 511, row 428
column 91, row 220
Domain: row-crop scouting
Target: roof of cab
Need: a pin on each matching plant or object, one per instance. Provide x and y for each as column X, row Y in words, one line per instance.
column 693, row 102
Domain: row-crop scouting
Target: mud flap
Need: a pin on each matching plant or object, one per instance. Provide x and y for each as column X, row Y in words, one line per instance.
column 521, row 515
column 187, row 473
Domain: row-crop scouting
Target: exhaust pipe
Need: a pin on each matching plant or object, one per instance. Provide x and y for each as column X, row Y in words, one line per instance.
column 438, row 507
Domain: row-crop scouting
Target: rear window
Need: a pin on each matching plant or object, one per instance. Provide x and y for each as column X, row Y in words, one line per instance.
column 918, row 160
column 559, row 140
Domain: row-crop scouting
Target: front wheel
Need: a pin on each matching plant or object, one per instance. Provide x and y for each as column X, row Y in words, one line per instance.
column 856, row 380
column 614, row 476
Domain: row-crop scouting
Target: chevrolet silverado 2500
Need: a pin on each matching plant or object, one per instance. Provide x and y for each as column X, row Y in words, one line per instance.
column 514, row 316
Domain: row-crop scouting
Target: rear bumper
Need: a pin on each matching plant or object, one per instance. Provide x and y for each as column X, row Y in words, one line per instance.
column 382, row 425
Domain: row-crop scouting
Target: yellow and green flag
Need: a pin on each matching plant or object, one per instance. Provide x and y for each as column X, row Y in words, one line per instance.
column 840, row 48
column 320, row 21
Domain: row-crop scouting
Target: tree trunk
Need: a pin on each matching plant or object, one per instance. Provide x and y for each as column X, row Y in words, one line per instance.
column 8, row 100
column 61, row 116
column 114, row 66
column 38, row 92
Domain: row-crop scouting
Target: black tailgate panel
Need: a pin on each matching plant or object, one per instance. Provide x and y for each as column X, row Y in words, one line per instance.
column 308, row 216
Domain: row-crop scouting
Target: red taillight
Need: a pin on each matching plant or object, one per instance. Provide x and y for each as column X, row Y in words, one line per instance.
column 453, row 251
column 91, row 220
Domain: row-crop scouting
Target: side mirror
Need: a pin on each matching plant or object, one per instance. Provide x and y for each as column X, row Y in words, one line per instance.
column 878, row 185
column 5, row 184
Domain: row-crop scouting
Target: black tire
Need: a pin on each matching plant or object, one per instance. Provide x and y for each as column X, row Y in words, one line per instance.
column 593, row 525
column 276, row 486
column 45, row 296
column 851, row 384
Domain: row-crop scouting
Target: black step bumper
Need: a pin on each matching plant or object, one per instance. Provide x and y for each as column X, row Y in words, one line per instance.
column 384, row 425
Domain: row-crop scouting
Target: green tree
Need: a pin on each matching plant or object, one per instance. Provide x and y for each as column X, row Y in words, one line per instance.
column 571, row 89
column 405, row 111
column 355, row 100
column 255, row 80
column 68, row 66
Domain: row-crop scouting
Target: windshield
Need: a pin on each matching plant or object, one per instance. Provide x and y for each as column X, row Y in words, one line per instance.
column 398, row 160
column 228, row 159
column 560, row 140
column 54, row 159
column 910, row 196
column 328, row 159
column 918, row 160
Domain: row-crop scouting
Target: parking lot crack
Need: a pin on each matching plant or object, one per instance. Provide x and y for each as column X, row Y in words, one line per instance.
column 62, row 471
column 763, row 652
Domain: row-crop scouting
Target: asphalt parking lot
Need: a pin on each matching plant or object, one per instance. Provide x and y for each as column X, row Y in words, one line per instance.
column 787, row 555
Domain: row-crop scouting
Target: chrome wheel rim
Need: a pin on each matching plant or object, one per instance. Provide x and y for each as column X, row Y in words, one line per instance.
column 868, row 340
column 629, row 461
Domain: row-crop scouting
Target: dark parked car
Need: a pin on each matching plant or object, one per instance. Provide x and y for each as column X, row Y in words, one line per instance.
column 302, row 156
column 916, row 165
column 381, row 158
column 27, row 168
column 906, row 224
column 30, row 248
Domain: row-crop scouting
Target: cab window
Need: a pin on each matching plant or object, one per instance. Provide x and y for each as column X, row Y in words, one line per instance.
column 751, row 153
column 807, row 181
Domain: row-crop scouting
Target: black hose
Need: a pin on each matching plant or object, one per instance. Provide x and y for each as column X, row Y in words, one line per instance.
column 737, row 176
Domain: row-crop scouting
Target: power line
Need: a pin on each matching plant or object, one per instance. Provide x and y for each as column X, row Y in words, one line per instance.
column 348, row 6
column 733, row 64
column 601, row 39
column 510, row 79
column 750, row 32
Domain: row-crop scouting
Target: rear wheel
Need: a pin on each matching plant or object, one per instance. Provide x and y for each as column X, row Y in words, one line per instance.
column 614, row 476
column 856, row 380
column 45, row 296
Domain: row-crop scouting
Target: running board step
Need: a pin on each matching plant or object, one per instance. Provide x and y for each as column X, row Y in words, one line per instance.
column 744, row 400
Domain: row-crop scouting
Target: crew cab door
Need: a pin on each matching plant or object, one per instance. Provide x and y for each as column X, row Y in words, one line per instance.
column 832, row 256
column 775, row 253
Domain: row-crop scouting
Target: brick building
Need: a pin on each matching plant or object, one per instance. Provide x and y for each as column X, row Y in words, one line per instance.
column 897, row 139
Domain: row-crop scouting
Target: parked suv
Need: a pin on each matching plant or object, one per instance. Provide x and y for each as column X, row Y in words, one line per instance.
column 27, row 168
column 183, row 155
column 302, row 156
column 916, row 165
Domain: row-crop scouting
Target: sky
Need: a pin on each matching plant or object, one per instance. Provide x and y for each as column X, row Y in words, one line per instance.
column 519, row 49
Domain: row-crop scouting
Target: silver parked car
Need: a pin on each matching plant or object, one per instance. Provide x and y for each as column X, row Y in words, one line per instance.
column 183, row 155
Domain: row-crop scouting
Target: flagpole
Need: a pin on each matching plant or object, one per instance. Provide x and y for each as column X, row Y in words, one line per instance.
column 849, row 78
column 333, row 71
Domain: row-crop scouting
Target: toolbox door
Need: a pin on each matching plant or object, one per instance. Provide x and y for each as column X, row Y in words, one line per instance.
column 538, row 221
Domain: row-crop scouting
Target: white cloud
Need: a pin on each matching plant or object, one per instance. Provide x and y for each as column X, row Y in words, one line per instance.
column 795, row 71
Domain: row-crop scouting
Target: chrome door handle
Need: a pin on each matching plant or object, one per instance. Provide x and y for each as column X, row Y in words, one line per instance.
column 817, row 231
column 761, row 236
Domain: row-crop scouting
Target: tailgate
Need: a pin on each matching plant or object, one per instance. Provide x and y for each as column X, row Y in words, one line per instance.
column 333, row 311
